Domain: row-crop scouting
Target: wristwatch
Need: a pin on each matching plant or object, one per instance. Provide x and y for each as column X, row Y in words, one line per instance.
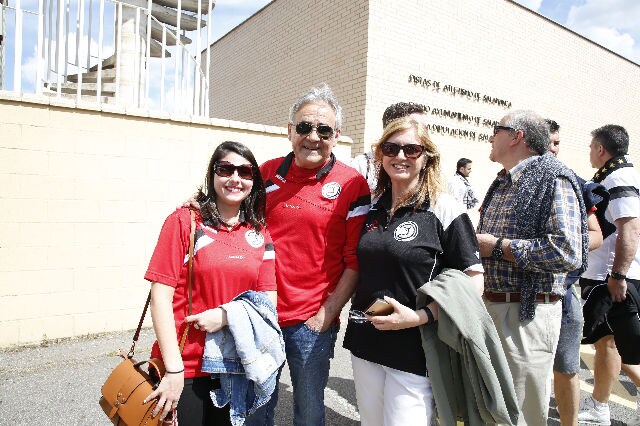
column 618, row 276
column 497, row 251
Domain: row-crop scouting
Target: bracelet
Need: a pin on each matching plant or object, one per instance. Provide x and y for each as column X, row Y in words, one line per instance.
column 429, row 315
column 174, row 372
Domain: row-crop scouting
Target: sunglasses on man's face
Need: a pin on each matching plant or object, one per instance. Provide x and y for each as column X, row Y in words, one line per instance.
column 497, row 128
column 390, row 149
column 226, row 169
column 324, row 131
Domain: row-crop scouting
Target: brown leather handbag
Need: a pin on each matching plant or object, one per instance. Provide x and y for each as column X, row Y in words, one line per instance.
column 129, row 384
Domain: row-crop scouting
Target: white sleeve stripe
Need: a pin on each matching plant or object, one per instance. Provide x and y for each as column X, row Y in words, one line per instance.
column 475, row 268
column 203, row 241
column 447, row 209
column 271, row 188
column 269, row 255
column 358, row 211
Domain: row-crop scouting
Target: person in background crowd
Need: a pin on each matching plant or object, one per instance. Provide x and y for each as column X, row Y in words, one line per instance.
column 611, row 283
column 554, row 136
column 412, row 233
column 233, row 253
column 366, row 166
column 460, row 187
column 566, row 364
column 532, row 231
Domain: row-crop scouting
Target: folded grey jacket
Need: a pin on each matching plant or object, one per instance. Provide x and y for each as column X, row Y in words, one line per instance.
column 246, row 355
column 469, row 374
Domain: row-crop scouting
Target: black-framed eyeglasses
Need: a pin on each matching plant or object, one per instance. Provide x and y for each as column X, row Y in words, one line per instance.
column 324, row 131
column 226, row 169
column 412, row 150
column 497, row 128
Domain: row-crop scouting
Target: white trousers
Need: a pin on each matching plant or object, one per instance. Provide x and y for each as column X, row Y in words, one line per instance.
column 390, row 397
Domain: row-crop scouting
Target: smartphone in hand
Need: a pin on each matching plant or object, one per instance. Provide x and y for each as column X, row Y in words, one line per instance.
column 379, row 307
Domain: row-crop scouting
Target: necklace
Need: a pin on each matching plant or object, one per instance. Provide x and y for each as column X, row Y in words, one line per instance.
column 231, row 222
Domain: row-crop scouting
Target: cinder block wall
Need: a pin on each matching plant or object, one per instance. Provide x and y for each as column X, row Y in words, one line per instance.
column 83, row 195
column 264, row 64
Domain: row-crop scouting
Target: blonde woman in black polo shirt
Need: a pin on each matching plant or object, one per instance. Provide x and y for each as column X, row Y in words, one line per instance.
column 412, row 233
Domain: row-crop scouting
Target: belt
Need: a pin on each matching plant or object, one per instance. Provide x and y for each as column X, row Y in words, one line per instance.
column 515, row 297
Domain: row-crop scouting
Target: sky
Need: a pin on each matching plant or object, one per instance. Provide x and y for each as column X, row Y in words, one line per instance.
column 229, row 13
column 614, row 24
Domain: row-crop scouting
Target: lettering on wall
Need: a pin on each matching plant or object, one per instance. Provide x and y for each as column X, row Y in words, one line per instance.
column 455, row 132
column 462, row 117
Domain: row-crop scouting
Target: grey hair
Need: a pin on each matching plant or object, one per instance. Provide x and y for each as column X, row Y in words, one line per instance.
column 536, row 130
column 321, row 93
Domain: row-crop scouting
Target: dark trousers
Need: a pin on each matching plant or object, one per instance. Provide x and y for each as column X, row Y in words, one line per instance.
column 195, row 407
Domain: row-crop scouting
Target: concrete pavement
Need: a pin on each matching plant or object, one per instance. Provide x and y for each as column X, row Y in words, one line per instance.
column 59, row 383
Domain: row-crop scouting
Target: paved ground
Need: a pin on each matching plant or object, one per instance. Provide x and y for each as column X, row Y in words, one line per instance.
column 59, row 383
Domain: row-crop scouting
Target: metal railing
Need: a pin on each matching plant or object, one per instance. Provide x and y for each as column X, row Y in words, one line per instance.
column 134, row 53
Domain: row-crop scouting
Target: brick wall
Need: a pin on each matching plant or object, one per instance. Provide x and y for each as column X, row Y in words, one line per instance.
column 259, row 69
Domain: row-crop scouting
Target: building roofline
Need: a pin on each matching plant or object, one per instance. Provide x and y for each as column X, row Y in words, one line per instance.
column 508, row 1
column 242, row 23
column 571, row 31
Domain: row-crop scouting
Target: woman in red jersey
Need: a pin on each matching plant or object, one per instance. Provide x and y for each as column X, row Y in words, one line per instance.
column 233, row 253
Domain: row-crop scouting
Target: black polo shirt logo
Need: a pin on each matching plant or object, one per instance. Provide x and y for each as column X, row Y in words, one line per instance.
column 331, row 190
column 255, row 239
column 406, row 231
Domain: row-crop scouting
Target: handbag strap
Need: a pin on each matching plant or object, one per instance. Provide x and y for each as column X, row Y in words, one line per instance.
column 183, row 340
column 192, row 238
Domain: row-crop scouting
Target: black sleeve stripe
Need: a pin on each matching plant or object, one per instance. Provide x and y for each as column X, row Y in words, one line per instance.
column 623, row 191
column 362, row 201
column 268, row 246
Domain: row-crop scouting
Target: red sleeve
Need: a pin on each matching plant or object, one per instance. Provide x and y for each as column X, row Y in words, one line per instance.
column 267, row 272
column 167, row 260
column 358, row 209
column 268, row 168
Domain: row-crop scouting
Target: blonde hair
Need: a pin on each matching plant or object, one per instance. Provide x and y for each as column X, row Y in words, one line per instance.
column 430, row 179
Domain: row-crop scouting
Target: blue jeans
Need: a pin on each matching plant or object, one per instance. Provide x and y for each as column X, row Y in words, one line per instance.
column 308, row 355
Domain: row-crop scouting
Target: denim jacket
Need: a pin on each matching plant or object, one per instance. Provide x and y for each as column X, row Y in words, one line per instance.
column 246, row 355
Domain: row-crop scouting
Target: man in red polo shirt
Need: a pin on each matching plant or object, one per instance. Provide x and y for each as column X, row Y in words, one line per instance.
column 316, row 207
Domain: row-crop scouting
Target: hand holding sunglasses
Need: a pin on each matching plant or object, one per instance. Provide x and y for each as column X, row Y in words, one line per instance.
column 324, row 131
column 226, row 169
column 390, row 149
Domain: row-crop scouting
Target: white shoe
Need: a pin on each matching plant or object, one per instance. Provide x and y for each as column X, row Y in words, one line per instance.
column 594, row 412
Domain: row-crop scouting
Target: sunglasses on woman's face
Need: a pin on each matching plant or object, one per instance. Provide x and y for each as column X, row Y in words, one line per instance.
column 390, row 149
column 226, row 169
column 324, row 131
